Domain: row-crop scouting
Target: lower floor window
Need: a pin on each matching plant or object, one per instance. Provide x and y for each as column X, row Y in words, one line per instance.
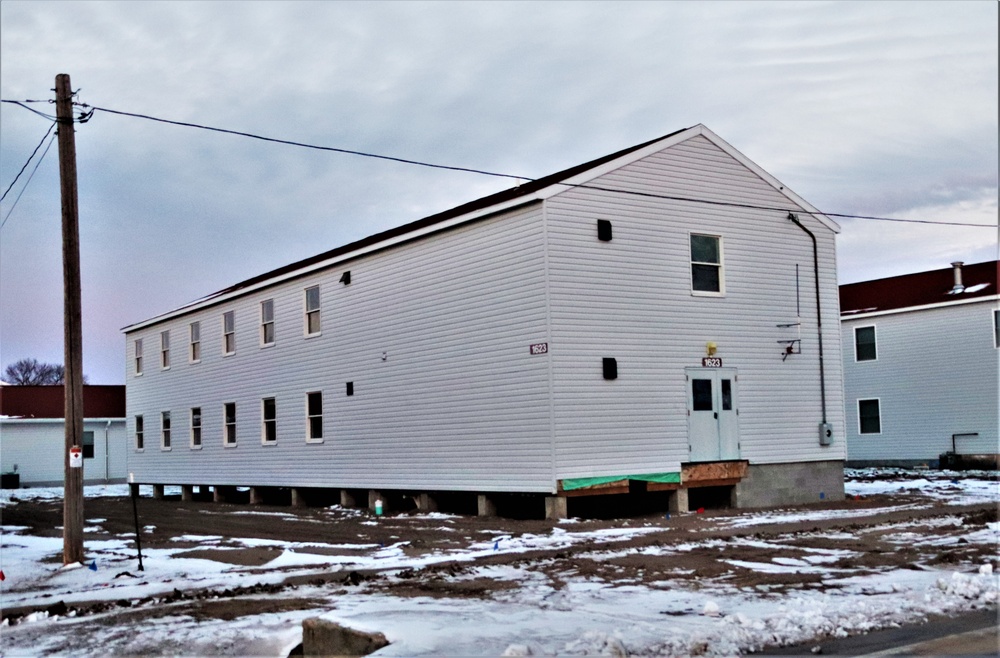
column 269, row 413
column 869, row 420
column 88, row 445
column 314, row 416
column 165, row 429
column 229, row 413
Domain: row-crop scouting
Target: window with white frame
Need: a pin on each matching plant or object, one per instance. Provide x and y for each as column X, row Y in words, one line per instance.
column 869, row 417
column 165, row 430
column 229, row 429
column 314, row 416
column 229, row 332
column 864, row 344
column 195, row 427
column 312, row 324
column 267, row 322
column 138, row 356
column 195, row 330
column 269, row 421
column 165, row 349
column 140, row 439
column 706, row 265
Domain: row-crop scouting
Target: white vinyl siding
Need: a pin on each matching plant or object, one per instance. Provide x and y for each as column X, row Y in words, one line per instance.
column 457, row 392
column 631, row 299
column 37, row 446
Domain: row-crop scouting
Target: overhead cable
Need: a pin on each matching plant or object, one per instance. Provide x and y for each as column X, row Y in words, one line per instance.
column 28, row 161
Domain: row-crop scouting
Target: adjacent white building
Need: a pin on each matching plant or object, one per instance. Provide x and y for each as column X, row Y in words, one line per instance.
column 33, row 435
column 646, row 320
column 922, row 365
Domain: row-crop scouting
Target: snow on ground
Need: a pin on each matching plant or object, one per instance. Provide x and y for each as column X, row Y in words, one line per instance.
column 582, row 616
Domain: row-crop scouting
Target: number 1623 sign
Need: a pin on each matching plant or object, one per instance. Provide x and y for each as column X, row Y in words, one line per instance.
column 711, row 362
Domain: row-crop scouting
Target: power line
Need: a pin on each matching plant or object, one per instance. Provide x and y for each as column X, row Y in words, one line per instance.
column 27, row 182
column 502, row 175
column 28, row 161
column 303, row 144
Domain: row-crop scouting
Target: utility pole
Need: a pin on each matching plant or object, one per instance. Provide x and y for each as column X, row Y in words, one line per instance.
column 72, row 329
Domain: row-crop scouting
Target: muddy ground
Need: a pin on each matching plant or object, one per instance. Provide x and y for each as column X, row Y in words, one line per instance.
column 875, row 537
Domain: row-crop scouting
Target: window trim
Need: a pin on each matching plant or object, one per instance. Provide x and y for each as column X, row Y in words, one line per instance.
column 139, row 433
column 265, row 323
column 166, row 429
column 874, row 342
column 137, row 356
column 196, row 429
column 231, row 333
column 721, row 292
column 264, row 420
column 306, row 312
column 226, row 425
column 194, row 342
column 309, row 437
column 878, row 402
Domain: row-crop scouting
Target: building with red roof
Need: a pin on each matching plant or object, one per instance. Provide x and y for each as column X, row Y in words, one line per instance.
column 921, row 355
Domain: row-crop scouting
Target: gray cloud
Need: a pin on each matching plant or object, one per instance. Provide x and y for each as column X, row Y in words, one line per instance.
column 870, row 108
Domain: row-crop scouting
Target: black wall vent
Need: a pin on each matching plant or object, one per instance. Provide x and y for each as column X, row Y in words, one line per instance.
column 350, row 388
column 604, row 230
column 610, row 368
column 345, row 278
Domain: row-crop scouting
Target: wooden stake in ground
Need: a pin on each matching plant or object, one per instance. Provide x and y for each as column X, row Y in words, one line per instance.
column 73, row 332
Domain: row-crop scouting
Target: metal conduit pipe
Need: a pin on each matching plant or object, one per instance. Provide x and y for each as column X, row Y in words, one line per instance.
column 819, row 314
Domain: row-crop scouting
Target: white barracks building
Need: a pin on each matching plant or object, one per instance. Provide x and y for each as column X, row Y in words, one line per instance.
column 647, row 321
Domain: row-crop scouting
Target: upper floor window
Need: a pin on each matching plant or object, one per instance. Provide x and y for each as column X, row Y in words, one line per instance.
column 229, row 332
column 195, row 342
column 138, row 356
column 269, row 421
column 869, row 418
column 864, row 344
column 140, row 439
column 706, row 264
column 312, row 311
column 165, row 349
column 267, row 322
column 996, row 328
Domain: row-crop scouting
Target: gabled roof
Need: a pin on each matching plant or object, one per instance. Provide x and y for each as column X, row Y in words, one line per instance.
column 919, row 289
column 47, row 401
column 532, row 191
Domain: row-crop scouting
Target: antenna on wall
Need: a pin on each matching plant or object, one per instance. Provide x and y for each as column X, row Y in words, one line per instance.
column 793, row 345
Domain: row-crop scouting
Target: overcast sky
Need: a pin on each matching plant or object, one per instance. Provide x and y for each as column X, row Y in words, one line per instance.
column 872, row 108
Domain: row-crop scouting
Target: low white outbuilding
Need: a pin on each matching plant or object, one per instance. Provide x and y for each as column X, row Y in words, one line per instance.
column 647, row 320
column 33, row 435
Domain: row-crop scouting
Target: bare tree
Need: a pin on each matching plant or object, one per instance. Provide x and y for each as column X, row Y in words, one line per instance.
column 30, row 372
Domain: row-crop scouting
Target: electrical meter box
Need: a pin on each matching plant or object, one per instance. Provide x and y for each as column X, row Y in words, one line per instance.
column 825, row 434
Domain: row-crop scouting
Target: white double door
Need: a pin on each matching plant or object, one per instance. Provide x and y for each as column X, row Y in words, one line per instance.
column 713, row 414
